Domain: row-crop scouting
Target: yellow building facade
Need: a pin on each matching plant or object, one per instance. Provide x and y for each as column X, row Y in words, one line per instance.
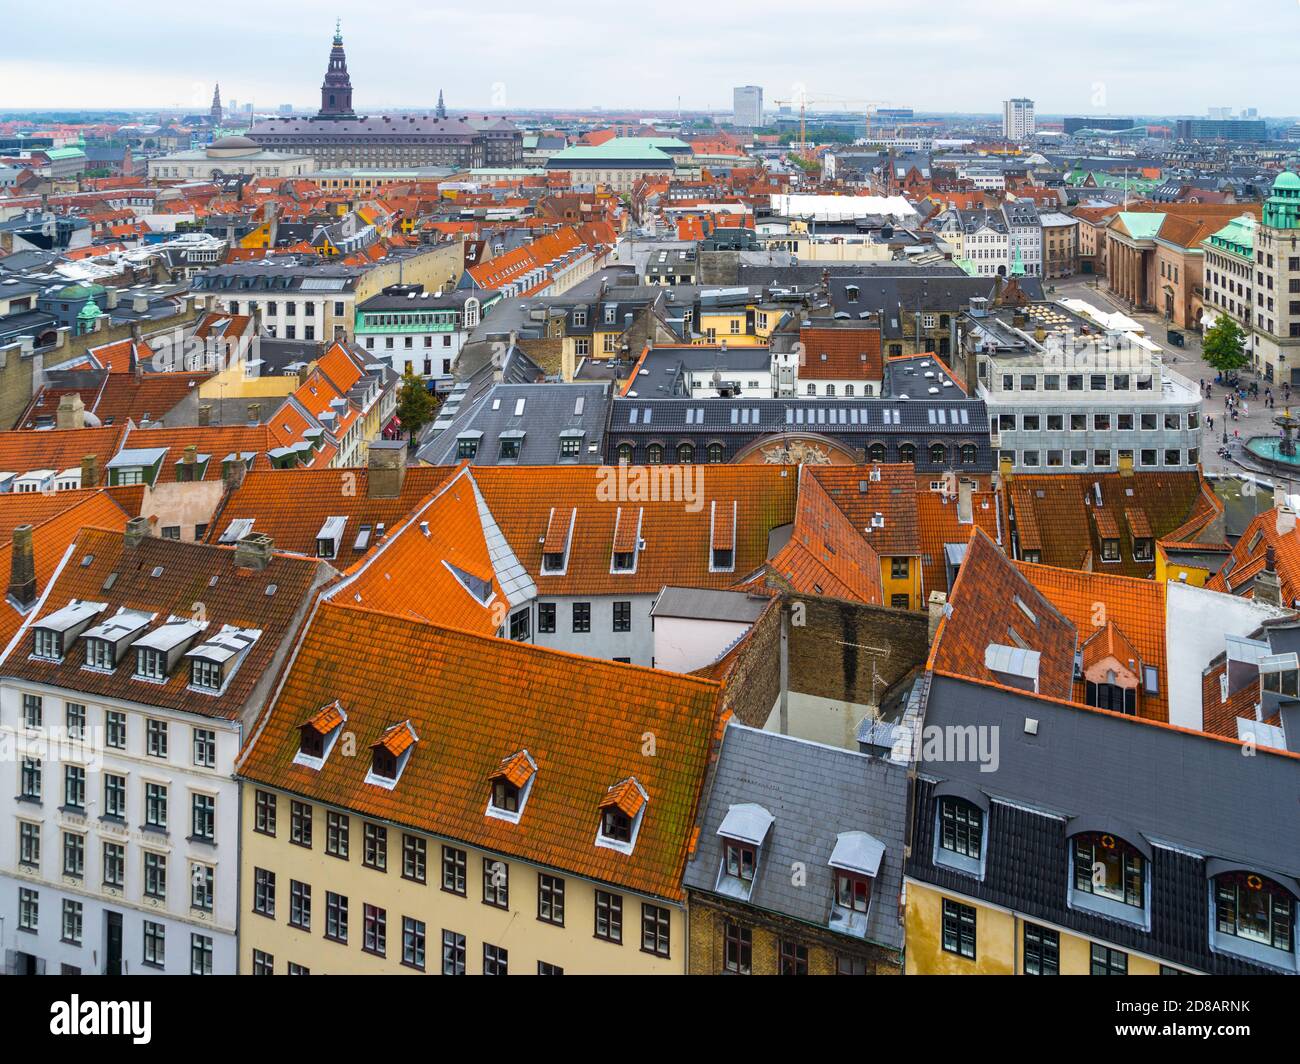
column 582, row 943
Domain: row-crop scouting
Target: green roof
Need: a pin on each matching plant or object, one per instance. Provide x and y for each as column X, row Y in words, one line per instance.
column 64, row 153
column 1142, row 225
column 642, row 149
column 1238, row 236
column 90, row 310
column 1287, row 179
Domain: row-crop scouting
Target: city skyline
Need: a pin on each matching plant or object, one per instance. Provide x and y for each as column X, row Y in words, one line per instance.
column 1122, row 59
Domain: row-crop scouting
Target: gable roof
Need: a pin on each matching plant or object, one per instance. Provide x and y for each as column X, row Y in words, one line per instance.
column 581, row 720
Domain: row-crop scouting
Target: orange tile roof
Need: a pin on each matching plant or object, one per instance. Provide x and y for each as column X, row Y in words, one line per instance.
column 51, row 536
column 841, row 354
column 825, row 554
column 326, row 719
column 291, row 505
column 1249, row 555
column 938, row 525
column 1133, row 606
column 582, row 720
column 861, row 496
column 60, row 449
column 429, row 568
column 676, row 532
column 216, row 441
column 624, row 796
column 993, row 602
column 517, row 769
column 1218, row 714
column 397, row 738
column 166, row 578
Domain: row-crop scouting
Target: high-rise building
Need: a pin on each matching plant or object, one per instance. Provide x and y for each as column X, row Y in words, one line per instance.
column 747, row 105
column 1018, row 119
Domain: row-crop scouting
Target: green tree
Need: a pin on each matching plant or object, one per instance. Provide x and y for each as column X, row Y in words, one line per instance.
column 415, row 405
column 1225, row 345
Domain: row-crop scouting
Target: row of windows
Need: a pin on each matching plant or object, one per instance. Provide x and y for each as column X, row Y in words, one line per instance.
column 1100, row 422
column 203, row 807
column 113, row 865
column 1104, row 866
column 551, row 907
column 203, row 741
column 792, row 956
column 1074, row 382
column 71, row 927
column 1147, row 457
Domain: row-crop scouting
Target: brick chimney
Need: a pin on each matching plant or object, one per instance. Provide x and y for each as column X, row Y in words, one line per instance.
column 965, row 511
column 254, row 552
column 90, row 470
column 1267, row 587
column 205, row 414
column 22, row 569
column 137, row 529
column 71, row 413
column 387, row 469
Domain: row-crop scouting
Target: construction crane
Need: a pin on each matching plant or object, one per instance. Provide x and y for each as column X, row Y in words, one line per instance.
column 869, row 107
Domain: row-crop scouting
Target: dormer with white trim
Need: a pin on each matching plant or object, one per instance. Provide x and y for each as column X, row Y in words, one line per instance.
column 157, row 652
column 511, row 784
column 330, row 537
column 106, row 641
column 743, row 831
column 855, row 862
column 626, row 548
column 389, row 756
column 214, row 661
column 722, row 536
column 622, row 810
column 318, row 734
column 557, row 541
column 54, row 633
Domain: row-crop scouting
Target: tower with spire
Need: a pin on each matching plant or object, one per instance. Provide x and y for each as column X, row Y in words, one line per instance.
column 336, row 90
column 216, row 113
column 441, row 112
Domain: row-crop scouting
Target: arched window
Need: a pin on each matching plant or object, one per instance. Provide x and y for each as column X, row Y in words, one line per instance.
column 1108, row 867
column 812, row 389
column 715, row 453
column 937, row 453
column 907, row 452
column 848, row 389
column 655, row 454
column 876, row 452
column 968, row 453
column 625, row 454
column 830, row 389
column 1250, row 906
column 686, row 453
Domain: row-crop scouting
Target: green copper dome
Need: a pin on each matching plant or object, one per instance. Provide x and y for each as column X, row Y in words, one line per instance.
column 90, row 310
column 1287, row 180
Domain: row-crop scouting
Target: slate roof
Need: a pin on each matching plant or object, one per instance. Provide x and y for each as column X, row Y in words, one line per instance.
column 548, row 411
column 1192, row 797
column 856, row 423
column 814, row 793
column 167, row 577
column 582, row 720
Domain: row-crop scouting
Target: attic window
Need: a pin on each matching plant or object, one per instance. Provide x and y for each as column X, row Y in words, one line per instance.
column 389, row 756
column 150, row 664
column 856, row 862
column 511, row 783
column 318, row 734
column 621, row 811
column 330, row 537
column 48, row 645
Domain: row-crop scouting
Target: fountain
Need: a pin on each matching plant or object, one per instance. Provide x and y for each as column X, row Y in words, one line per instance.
column 1278, row 451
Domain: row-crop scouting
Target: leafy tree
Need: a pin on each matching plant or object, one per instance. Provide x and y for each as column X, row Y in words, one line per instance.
column 415, row 405
column 1225, row 345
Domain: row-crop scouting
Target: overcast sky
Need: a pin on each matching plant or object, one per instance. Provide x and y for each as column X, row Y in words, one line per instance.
column 1084, row 56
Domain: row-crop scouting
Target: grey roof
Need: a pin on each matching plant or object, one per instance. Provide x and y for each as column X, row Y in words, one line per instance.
column 1192, row 797
column 542, row 412
column 815, row 793
column 702, row 604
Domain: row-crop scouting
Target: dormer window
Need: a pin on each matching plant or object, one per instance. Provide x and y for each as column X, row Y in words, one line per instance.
column 509, row 786
column 48, row 644
column 1143, row 550
column 329, row 537
column 553, row 562
column 555, row 542
column 389, row 756
column 855, row 863
column 621, row 812
column 961, row 827
column 99, row 654
column 1278, row 674
column 150, row 664
column 739, row 859
column 722, row 535
column 1254, row 915
column 1109, row 875
column 318, row 734
column 627, row 540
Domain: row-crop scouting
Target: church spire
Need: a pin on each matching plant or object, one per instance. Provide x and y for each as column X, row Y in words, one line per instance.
column 216, row 112
column 441, row 112
column 336, row 90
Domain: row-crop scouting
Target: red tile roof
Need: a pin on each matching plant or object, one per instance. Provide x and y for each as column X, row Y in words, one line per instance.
column 840, row 354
